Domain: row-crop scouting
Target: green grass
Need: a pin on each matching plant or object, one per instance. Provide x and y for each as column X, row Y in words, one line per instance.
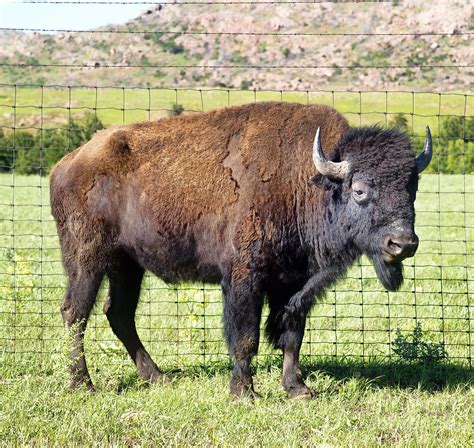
column 350, row 408
column 363, row 395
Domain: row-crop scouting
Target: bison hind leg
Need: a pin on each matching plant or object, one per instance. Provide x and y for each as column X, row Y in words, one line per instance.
column 125, row 278
column 76, row 306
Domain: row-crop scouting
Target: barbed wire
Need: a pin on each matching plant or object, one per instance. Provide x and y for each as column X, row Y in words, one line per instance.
column 235, row 89
column 231, row 2
column 98, row 65
column 232, row 33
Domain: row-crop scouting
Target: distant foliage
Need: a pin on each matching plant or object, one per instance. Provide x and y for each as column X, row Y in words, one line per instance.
column 36, row 153
column 453, row 151
column 168, row 45
column 414, row 349
column 456, row 152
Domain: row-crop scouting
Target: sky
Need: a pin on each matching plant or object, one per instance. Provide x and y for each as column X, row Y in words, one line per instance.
column 73, row 16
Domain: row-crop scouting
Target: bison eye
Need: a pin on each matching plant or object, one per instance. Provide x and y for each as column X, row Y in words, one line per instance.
column 360, row 191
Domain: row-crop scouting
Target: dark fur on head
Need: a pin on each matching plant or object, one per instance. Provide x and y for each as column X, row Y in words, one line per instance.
column 384, row 160
column 342, row 230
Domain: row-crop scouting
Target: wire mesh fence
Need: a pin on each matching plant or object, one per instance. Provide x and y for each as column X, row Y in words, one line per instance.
column 182, row 324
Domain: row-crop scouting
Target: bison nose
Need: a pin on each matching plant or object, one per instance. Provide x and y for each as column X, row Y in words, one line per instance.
column 398, row 247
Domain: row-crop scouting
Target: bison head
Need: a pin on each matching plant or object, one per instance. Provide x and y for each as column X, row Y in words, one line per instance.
column 373, row 176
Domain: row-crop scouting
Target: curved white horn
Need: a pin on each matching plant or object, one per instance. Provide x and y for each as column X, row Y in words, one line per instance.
column 333, row 170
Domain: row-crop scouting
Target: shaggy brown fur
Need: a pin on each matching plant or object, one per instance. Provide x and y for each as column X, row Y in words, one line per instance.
column 223, row 196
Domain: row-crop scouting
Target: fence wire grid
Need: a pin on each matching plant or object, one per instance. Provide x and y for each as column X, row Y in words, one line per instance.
column 182, row 325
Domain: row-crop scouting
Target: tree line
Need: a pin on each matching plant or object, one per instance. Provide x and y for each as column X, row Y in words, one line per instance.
column 28, row 152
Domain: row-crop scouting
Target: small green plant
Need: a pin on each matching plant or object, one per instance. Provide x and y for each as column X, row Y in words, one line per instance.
column 337, row 70
column 176, row 109
column 414, row 349
column 159, row 74
column 102, row 45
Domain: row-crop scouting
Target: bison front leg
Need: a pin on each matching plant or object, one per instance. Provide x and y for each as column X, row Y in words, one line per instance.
column 292, row 380
column 288, row 336
column 287, row 328
column 243, row 301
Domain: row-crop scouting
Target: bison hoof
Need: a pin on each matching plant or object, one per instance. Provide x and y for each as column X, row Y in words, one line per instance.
column 248, row 394
column 299, row 393
column 241, row 391
column 158, row 378
column 77, row 383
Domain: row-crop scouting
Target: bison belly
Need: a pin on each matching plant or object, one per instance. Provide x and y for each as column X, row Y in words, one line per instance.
column 174, row 247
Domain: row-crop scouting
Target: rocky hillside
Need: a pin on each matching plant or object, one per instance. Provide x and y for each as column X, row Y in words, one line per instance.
column 154, row 40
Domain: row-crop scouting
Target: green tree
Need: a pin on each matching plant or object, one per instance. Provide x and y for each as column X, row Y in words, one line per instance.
column 55, row 147
column 28, row 153
column 57, row 143
column 455, row 152
column 37, row 153
column 6, row 152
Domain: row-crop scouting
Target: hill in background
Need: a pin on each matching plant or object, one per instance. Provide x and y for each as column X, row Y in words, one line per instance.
column 154, row 39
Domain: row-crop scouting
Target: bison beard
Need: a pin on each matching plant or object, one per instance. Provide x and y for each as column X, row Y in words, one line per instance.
column 389, row 274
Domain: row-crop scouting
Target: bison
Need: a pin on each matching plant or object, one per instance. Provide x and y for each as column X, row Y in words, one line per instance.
column 240, row 196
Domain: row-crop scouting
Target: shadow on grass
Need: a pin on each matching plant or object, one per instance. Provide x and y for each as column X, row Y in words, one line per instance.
column 430, row 377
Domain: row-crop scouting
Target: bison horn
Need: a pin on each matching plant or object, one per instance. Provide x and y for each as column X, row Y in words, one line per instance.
column 424, row 159
column 333, row 170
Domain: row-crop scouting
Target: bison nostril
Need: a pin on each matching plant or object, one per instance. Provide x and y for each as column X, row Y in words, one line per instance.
column 394, row 247
column 399, row 247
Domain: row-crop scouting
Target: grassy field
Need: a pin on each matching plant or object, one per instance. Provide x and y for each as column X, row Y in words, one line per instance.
column 350, row 408
column 47, row 107
column 364, row 395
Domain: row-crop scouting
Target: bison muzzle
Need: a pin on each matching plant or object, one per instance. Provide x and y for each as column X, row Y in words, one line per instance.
column 271, row 200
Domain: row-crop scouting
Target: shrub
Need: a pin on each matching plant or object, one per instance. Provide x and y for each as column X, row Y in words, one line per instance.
column 6, row 153
column 245, row 84
column 400, row 121
column 27, row 158
column 454, row 150
column 176, row 109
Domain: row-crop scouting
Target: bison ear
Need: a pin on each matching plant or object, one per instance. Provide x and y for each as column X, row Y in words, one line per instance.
column 324, row 182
